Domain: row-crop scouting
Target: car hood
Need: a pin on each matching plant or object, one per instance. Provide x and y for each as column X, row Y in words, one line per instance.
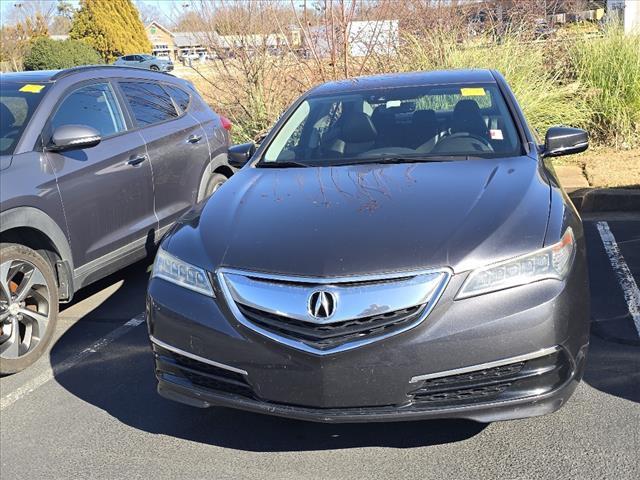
column 5, row 161
column 363, row 219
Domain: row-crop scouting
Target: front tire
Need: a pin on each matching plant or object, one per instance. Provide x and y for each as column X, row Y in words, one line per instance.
column 155, row 68
column 28, row 307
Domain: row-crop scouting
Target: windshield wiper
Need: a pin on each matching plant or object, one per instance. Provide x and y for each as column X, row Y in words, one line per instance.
column 287, row 164
column 410, row 159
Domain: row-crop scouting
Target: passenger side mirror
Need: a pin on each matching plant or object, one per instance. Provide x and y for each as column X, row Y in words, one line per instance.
column 239, row 155
column 69, row 137
column 565, row 141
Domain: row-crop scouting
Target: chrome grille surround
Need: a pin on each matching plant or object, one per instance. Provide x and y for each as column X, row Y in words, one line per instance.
column 287, row 296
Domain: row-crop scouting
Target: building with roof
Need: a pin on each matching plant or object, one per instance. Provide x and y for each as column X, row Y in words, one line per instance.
column 179, row 45
column 176, row 45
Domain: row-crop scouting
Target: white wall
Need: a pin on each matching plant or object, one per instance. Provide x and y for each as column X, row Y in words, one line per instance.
column 632, row 16
column 630, row 13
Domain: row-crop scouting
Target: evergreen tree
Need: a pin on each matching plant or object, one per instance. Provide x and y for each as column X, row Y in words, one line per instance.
column 112, row 27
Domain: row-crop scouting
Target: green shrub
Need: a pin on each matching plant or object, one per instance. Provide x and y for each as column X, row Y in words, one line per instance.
column 545, row 99
column 609, row 66
column 48, row 54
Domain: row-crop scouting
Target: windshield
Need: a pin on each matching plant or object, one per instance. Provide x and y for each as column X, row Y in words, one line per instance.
column 17, row 104
column 417, row 123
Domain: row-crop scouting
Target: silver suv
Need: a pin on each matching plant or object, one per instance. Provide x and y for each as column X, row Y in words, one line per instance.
column 145, row 61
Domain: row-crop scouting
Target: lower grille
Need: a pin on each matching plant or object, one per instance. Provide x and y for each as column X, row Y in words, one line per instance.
column 466, row 395
column 518, row 379
column 487, row 374
column 200, row 374
column 327, row 336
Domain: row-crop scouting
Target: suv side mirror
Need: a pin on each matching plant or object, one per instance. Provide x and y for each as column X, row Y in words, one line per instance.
column 69, row 137
column 239, row 155
column 565, row 141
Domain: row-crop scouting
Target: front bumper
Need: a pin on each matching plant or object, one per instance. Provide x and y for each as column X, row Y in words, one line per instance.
column 481, row 399
column 505, row 355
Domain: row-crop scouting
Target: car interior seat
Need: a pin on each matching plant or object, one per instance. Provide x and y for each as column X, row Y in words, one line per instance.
column 357, row 135
column 467, row 118
column 7, row 120
column 424, row 128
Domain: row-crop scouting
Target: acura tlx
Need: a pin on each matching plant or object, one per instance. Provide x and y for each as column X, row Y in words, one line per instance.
column 397, row 248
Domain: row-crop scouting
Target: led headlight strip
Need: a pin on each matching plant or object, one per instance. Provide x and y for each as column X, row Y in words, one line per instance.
column 550, row 262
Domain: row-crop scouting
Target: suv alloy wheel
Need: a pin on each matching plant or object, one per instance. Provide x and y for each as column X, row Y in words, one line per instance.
column 28, row 306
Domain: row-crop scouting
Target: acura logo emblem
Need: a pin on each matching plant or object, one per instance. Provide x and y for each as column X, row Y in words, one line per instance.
column 322, row 304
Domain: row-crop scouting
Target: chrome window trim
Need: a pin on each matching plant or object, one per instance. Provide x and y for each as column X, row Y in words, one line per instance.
column 298, row 345
column 198, row 358
column 497, row 363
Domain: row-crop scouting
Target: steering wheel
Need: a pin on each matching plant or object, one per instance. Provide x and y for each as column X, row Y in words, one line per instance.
column 462, row 139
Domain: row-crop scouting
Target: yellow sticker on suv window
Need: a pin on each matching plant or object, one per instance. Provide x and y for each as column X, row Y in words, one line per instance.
column 30, row 88
column 472, row 92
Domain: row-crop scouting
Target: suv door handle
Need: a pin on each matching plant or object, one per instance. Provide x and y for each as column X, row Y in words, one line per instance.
column 136, row 160
column 194, row 138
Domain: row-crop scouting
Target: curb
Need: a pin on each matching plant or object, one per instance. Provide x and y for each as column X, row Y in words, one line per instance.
column 606, row 199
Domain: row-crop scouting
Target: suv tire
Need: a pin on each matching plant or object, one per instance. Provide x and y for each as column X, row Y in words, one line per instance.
column 214, row 182
column 28, row 306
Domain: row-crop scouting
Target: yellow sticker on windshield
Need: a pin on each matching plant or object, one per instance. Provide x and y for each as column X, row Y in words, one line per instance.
column 472, row 92
column 30, row 88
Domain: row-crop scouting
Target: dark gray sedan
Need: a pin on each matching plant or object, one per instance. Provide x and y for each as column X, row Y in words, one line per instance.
column 397, row 248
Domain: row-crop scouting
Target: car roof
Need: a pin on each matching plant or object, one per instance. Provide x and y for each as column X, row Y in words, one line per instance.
column 38, row 76
column 392, row 80
column 43, row 76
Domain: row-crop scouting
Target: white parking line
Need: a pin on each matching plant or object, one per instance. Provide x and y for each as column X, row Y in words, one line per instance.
column 69, row 362
column 621, row 269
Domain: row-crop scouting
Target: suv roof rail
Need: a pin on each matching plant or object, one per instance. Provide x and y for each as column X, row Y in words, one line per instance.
column 83, row 68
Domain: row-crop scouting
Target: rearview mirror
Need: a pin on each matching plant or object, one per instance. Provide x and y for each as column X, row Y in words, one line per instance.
column 68, row 137
column 565, row 141
column 239, row 155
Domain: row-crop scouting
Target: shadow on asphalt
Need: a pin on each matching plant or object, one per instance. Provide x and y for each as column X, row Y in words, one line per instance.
column 614, row 368
column 120, row 380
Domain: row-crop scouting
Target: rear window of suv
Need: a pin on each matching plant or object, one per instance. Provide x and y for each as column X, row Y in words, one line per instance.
column 150, row 103
column 181, row 97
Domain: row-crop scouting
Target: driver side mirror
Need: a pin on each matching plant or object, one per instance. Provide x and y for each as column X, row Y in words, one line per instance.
column 239, row 155
column 565, row 141
column 69, row 137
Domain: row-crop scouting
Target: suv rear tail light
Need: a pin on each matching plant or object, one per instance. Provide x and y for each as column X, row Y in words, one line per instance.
column 226, row 123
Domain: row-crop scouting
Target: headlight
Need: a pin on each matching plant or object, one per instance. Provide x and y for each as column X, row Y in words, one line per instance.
column 551, row 262
column 181, row 273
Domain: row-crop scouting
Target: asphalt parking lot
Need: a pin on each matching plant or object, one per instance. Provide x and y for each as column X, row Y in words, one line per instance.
column 90, row 410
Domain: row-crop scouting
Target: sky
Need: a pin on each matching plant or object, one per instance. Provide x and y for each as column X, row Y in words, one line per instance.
column 167, row 7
